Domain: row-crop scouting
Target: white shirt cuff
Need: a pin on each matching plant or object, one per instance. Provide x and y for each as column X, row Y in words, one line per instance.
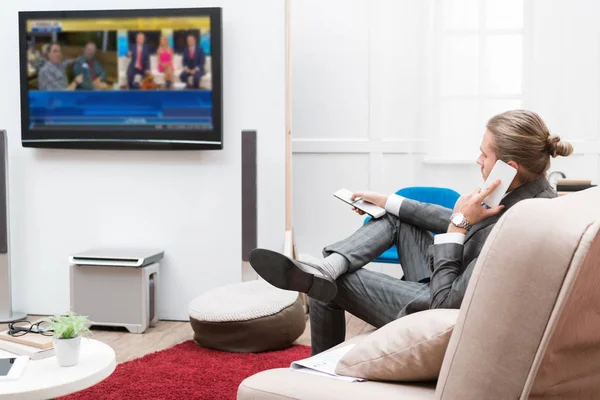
column 452, row 237
column 393, row 203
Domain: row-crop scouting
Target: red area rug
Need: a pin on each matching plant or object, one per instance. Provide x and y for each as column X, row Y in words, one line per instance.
column 187, row 371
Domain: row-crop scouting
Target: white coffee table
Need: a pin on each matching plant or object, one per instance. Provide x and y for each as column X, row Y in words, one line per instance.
column 44, row 379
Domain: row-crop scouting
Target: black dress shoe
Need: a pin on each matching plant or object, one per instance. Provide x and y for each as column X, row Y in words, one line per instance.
column 285, row 273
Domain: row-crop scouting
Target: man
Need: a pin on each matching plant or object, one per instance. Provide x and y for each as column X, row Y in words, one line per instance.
column 139, row 66
column 193, row 63
column 34, row 57
column 436, row 271
column 94, row 75
column 52, row 75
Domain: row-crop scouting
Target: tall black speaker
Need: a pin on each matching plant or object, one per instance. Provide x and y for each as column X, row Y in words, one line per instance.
column 6, row 313
column 249, row 212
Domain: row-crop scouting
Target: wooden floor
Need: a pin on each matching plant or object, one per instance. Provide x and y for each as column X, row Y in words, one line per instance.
column 129, row 346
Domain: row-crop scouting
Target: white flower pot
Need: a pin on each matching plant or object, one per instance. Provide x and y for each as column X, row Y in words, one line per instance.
column 67, row 351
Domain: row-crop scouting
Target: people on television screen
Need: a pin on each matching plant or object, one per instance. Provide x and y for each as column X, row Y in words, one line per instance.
column 165, row 60
column 45, row 50
column 94, row 75
column 53, row 75
column 139, row 65
column 193, row 63
column 35, row 59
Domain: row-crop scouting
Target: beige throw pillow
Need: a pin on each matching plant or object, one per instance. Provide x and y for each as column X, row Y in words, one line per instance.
column 411, row 348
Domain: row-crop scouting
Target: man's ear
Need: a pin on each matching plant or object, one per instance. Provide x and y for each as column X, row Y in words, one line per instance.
column 514, row 165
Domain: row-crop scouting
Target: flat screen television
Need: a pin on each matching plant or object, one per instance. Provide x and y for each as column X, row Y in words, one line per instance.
column 121, row 79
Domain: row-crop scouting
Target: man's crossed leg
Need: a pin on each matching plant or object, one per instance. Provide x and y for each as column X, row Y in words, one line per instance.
column 338, row 283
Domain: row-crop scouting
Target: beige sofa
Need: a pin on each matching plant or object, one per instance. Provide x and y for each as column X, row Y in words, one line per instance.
column 529, row 326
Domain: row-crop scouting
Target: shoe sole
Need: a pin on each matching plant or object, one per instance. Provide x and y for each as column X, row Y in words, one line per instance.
column 283, row 273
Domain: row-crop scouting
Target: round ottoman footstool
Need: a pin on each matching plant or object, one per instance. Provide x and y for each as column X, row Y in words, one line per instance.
column 247, row 317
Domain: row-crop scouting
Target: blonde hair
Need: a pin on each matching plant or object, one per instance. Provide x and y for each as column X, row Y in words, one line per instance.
column 523, row 137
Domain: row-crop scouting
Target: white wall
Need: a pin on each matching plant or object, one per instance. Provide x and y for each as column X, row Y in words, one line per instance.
column 363, row 106
column 187, row 203
column 564, row 79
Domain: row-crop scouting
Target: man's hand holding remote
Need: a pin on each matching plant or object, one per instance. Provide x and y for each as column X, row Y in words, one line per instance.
column 374, row 198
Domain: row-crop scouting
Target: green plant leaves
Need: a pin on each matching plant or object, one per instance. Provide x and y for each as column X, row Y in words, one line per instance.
column 69, row 326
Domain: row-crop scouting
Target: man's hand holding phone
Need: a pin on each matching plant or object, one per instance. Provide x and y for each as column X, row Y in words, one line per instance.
column 371, row 197
column 470, row 205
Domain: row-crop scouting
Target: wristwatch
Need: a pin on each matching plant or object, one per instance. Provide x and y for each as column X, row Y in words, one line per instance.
column 459, row 220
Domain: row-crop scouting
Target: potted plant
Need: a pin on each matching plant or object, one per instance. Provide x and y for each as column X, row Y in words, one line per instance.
column 68, row 330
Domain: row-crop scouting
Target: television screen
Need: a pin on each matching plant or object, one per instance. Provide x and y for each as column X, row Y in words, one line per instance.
column 121, row 79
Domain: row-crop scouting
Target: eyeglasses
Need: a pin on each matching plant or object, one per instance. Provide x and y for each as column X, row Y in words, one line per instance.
column 21, row 328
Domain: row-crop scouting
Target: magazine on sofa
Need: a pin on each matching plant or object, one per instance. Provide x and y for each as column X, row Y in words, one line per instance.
column 324, row 364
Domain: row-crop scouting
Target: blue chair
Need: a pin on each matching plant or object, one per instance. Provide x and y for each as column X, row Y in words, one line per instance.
column 425, row 194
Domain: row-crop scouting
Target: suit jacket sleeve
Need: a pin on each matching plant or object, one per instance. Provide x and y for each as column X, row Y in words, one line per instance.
column 100, row 71
column 186, row 58
column 202, row 60
column 77, row 68
column 429, row 217
column 145, row 58
column 131, row 59
column 449, row 280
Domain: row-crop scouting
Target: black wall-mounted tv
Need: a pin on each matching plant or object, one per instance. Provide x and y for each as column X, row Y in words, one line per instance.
column 122, row 79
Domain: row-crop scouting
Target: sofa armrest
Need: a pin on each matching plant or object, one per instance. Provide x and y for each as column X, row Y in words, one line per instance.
column 513, row 297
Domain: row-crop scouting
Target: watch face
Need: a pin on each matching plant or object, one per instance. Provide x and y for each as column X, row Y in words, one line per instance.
column 457, row 219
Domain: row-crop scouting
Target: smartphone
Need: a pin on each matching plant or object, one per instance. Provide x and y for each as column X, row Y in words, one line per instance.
column 11, row 368
column 506, row 174
column 369, row 208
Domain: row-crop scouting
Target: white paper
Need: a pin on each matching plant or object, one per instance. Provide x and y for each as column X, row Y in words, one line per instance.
column 324, row 364
column 340, row 377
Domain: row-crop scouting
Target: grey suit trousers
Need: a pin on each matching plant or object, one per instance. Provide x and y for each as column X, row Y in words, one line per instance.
column 371, row 296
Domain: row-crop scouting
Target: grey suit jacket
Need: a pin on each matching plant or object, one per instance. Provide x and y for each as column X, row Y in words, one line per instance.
column 452, row 264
